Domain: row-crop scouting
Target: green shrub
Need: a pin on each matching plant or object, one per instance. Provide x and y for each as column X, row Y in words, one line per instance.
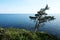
column 22, row 34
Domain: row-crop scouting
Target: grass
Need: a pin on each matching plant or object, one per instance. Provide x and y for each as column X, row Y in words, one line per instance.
column 22, row 34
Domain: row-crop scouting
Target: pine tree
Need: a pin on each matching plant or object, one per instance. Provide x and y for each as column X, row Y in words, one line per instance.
column 41, row 17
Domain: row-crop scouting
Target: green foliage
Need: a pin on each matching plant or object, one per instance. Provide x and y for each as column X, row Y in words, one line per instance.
column 21, row 34
column 41, row 17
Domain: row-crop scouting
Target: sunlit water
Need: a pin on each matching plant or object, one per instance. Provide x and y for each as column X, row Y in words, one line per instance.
column 23, row 21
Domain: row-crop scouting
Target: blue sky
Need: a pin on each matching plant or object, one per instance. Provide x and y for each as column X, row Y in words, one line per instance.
column 28, row 6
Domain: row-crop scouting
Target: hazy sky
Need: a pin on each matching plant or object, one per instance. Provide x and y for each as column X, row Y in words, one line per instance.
column 28, row 6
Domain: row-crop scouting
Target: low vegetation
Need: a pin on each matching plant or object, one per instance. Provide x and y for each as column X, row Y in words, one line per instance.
column 22, row 34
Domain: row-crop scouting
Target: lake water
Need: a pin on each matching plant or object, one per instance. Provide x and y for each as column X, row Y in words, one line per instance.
column 23, row 21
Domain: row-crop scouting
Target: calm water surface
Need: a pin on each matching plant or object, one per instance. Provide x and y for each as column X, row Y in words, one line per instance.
column 23, row 21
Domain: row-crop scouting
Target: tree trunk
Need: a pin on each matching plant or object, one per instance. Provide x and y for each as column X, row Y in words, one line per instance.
column 36, row 26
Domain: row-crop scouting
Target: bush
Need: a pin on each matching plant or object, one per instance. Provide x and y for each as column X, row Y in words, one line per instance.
column 21, row 34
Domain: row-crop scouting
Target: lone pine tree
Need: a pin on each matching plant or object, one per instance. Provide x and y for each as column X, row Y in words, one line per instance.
column 41, row 17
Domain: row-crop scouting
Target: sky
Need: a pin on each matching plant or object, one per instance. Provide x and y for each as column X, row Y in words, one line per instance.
column 29, row 6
